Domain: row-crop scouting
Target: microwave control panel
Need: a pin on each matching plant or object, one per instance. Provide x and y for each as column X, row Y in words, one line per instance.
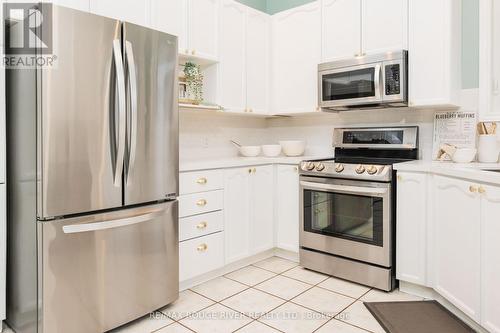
column 392, row 79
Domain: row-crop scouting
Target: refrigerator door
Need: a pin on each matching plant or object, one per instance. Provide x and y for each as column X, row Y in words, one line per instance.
column 102, row 271
column 82, row 111
column 152, row 159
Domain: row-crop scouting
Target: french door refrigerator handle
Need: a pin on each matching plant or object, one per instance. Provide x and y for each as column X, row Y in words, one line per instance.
column 132, row 77
column 122, row 103
column 96, row 226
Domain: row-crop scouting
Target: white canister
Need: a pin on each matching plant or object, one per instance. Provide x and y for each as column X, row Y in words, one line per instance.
column 488, row 149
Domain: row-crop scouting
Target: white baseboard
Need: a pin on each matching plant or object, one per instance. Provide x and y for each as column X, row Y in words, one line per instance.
column 285, row 254
column 429, row 293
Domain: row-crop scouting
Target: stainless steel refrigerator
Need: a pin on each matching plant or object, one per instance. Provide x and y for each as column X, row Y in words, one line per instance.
column 93, row 178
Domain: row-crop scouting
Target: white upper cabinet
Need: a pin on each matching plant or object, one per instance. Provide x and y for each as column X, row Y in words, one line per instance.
column 261, row 209
column 232, row 76
column 490, row 264
column 171, row 17
column 411, row 229
column 83, row 5
column 258, row 58
column 134, row 11
column 341, row 29
column 385, row 25
column 296, row 40
column 287, row 207
column 203, row 21
column 457, row 249
column 434, row 53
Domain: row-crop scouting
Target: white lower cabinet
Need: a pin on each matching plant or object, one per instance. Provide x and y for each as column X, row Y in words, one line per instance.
column 411, row 245
column 200, row 225
column 199, row 203
column 201, row 255
column 454, row 247
column 457, row 251
column 490, row 262
column 287, row 207
column 248, row 211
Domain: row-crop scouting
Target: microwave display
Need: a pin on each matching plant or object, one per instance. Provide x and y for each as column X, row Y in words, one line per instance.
column 392, row 80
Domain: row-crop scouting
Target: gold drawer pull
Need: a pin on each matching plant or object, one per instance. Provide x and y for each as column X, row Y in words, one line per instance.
column 482, row 190
column 202, row 248
column 202, row 225
column 473, row 189
column 202, row 181
column 202, row 202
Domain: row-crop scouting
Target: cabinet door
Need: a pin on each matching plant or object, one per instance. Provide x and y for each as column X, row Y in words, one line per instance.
column 385, row 25
column 457, row 249
column 171, row 17
column 411, row 231
column 257, row 60
column 287, row 207
column 296, row 53
column 83, row 5
column 203, row 24
column 134, row 11
column 262, row 209
column 232, row 56
column 434, row 52
column 341, row 29
column 236, row 213
column 490, row 264
column 3, row 248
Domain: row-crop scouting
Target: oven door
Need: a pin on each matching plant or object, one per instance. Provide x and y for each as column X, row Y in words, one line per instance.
column 351, row 219
column 350, row 86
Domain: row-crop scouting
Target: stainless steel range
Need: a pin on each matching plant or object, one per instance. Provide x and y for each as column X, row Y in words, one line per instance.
column 348, row 205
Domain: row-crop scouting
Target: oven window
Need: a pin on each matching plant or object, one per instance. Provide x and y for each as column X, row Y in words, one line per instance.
column 354, row 217
column 350, row 84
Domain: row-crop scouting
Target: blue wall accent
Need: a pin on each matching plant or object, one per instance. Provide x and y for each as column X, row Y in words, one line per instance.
column 470, row 44
column 273, row 6
column 257, row 4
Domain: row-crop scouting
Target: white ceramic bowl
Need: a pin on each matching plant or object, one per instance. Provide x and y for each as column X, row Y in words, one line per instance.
column 464, row 155
column 250, row 151
column 293, row 147
column 271, row 150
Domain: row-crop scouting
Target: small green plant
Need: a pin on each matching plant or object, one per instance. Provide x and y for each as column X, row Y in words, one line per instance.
column 194, row 81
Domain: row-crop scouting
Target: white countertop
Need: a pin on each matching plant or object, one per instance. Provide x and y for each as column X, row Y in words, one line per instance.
column 470, row 171
column 234, row 162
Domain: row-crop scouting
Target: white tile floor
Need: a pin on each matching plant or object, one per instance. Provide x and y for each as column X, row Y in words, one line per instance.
column 273, row 295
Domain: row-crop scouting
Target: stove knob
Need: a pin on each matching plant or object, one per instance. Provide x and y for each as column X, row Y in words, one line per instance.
column 360, row 169
column 310, row 166
column 339, row 168
column 320, row 167
column 372, row 170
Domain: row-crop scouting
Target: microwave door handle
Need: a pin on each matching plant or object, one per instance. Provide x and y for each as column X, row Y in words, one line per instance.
column 357, row 190
column 378, row 86
column 122, row 104
column 132, row 77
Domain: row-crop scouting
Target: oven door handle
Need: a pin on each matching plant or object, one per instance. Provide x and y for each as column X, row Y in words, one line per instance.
column 370, row 191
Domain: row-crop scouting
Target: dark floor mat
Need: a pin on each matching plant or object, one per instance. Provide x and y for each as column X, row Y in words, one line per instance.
column 416, row 317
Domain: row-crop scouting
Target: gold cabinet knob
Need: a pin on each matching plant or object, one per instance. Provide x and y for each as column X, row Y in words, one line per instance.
column 202, row 225
column 250, row 110
column 473, row 189
column 482, row 190
column 202, row 248
column 400, row 178
column 193, row 52
column 254, row 170
column 249, row 170
column 201, row 202
column 202, row 181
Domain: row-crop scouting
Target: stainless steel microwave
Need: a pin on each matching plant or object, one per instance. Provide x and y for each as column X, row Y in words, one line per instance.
column 371, row 81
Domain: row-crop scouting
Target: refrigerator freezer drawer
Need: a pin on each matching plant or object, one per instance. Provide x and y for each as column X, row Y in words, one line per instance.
column 200, row 225
column 199, row 203
column 201, row 255
column 102, row 271
column 201, row 181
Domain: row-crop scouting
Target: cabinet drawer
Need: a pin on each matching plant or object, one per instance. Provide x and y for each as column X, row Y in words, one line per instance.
column 201, row 255
column 199, row 203
column 200, row 225
column 200, row 181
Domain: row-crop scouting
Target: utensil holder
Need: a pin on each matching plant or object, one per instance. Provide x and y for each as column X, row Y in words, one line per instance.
column 488, row 148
